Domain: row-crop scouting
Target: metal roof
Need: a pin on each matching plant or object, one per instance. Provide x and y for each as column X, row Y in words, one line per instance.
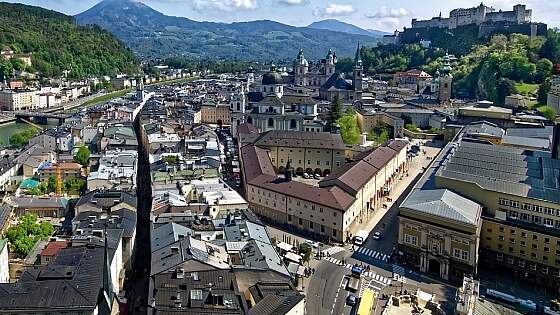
column 444, row 203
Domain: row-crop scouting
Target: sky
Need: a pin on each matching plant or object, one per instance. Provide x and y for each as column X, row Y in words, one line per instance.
column 385, row 15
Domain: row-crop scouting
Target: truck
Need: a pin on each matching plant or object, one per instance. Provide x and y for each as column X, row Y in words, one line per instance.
column 360, row 237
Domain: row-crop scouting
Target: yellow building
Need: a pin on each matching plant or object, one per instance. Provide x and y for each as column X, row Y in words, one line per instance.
column 367, row 120
column 519, row 193
column 217, row 114
column 328, row 209
column 312, row 153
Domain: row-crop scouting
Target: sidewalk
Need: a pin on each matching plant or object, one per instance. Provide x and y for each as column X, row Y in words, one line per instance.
column 373, row 217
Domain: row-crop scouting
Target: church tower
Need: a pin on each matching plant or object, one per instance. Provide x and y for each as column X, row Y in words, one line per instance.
column 250, row 78
column 330, row 64
column 357, row 78
column 445, row 81
column 237, row 110
column 301, row 68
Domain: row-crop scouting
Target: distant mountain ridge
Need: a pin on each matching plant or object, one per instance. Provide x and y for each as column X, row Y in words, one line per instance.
column 339, row 26
column 150, row 34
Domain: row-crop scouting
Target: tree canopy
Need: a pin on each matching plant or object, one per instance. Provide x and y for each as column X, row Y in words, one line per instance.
column 335, row 113
column 82, row 156
column 23, row 236
column 349, row 129
column 57, row 44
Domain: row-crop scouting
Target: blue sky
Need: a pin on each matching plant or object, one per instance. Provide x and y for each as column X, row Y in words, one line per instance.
column 377, row 14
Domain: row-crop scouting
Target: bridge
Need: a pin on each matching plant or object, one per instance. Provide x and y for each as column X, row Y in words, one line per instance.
column 36, row 117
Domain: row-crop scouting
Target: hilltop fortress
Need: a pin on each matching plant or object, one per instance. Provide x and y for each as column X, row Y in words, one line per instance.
column 477, row 15
column 483, row 19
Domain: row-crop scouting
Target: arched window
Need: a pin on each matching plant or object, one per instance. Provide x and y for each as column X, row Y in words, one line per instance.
column 271, row 122
column 270, row 109
column 238, row 106
column 293, row 124
column 250, row 120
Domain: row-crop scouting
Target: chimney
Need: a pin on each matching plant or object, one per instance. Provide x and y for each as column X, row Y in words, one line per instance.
column 556, row 141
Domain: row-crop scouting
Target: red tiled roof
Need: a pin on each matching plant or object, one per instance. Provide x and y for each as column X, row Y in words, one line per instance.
column 53, row 248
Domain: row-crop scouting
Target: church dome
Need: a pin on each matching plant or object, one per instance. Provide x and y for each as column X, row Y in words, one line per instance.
column 272, row 77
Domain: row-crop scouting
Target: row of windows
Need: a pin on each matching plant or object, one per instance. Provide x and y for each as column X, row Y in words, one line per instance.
column 524, row 234
column 533, row 255
column 528, row 206
column 532, row 265
column 531, row 218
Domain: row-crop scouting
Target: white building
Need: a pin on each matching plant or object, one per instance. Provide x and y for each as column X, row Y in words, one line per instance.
column 4, row 267
column 18, row 100
column 117, row 169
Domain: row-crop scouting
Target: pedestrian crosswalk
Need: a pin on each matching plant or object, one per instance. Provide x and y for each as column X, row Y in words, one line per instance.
column 372, row 253
column 374, row 277
column 398, row 270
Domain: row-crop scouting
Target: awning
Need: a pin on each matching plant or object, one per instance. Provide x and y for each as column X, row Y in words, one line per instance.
column 285, row 246
column 293, row 257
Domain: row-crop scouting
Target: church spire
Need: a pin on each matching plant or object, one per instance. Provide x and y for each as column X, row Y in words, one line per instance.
column 358, row 58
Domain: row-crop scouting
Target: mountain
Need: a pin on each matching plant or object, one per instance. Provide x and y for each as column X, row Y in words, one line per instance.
column 339, row 26
column 56, row 43
column 378, row 32
column 150, row 34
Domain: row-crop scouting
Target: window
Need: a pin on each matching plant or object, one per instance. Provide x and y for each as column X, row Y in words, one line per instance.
column 521, row 263
column 293, row 124
column 501, row 228
column 534, row 246
column 270, row 122
column 457, row 253
column 337, row 163
column 500, row 237
column 410, row 239
column 311, row 225
column 300, row 221
column 535, row 237
column 499, row 256
column 544, row 269
column 522, row 243
column 512, row 232
column 510, row 260
column 289, row 218
column 465, row 255
column 524, row 234
column 322, row 228
column 533, row 266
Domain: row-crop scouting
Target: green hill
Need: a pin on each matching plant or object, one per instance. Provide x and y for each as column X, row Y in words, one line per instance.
column 56, row 43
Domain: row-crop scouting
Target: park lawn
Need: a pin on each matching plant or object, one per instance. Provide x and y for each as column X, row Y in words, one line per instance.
column 526, row 88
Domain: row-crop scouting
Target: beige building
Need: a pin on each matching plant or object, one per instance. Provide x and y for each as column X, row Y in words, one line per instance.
column 367, row 120
column 439, row 232
column 217, row 114
column 328, row 209
column 309, row 152
column 519, row 195
column 18, row 100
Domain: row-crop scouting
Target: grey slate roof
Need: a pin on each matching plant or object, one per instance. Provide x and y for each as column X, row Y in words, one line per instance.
column 444, row 203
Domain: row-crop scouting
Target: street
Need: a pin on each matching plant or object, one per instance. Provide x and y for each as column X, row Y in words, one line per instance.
column 326, row 292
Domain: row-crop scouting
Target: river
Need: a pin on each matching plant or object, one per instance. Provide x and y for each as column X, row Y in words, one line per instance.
column 6, row 131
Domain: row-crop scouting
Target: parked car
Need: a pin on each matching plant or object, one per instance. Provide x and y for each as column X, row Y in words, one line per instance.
column 306, row 176
column 317, row 176
column 351, row 300
column 376, row 236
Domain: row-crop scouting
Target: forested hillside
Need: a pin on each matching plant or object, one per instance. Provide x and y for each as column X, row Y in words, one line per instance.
column 502, row 66
column 56, row 43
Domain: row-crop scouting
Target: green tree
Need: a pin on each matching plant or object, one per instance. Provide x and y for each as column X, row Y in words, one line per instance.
column 24, row 235
column 82, row 156
column 504, row 87
column 349, row 129
column 52, row 183
column 335, row 113
column 548, row 112
column 22, row 138
column 411, row 127
column 305, row 251
column 544, row 69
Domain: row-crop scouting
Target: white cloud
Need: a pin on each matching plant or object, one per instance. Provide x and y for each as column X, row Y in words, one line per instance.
column 224, row 5
column 293, row 2
column 334, row 9
column 385, row 12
